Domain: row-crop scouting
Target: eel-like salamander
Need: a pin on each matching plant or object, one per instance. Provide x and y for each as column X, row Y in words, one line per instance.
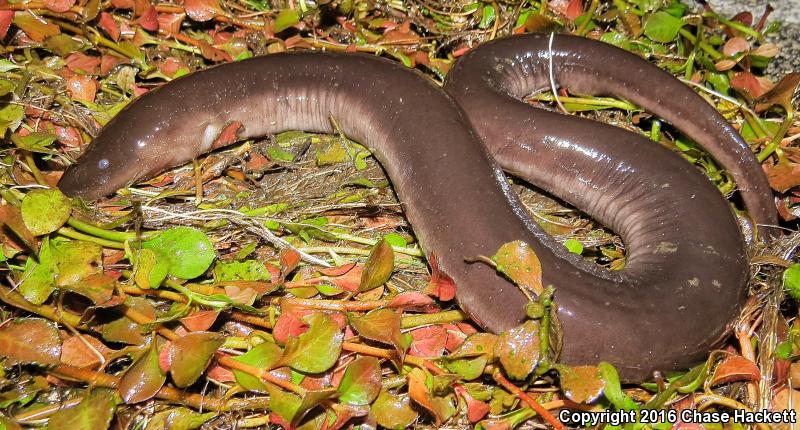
column 686, row 265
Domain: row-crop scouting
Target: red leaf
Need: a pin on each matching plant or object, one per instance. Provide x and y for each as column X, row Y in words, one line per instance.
column 108, row 62
column 228, row 135
column 574, row 9
column 441, row 285
column 59, row 6
column 201, row 10
column 149, row 19
column 170, row 23
column 745, row 18
column 123, row 4
column 107, row 23
column 747, row 84
column 288, row 325
column 69, row 136
column 75, row 352
column 476, row 409
column 82, row 63
column 735, row 368
column 428, row 341
column 6, row 16
column 200, row 320
column 289, row 261
column 220, row 374
column 338, row 271
column 414, row 300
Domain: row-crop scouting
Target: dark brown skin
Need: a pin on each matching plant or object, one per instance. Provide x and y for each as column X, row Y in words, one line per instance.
column 686, row 271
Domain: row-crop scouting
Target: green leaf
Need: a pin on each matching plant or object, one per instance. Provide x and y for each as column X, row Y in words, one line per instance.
column 190, row 355
column 662, row 27
column 30, row 340
column 613, row 389
column 38, row 279
column 396, row 240
column 487, row 17
column 248, row 270
column 263, row 356
column 280, row 154
column 393, row 411
column 187, row 250
column 574, row 246
column 285, row 19
column 10, row 117
column 282, row 403
column 791, row 281
column 379, row 266
column 361, row 382
column 316, row 350
column 6, row 87
column 144, row 378
column 519, row 349
column 179, row 418
column 34, row 142
column 94, row 412
column 149, row 271
column 45, row 211
column 75, row 261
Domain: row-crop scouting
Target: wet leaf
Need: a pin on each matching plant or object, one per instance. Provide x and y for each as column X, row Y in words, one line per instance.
column 289, row 261
column 393, row 411
column 747, row 84
column 662, row 27
column 188, row 251
column 413, row 301
column 179, row 418
column 109, row 25
column 190, row 355
column 123, row 329
column 201, row 10
column 581, row 384
column 30, row 340
column 735, row 45
column 519, row 349
column 613, row 389
column 379, row 266
column 471, row 358
column 83, row 88
column 36, row 28
column 735, row 368
column 143, row 379
column 518, row 261
column 428, row 341
column 6, row 17
column 310, row 400
column 10, row 117
column 94, row 412
column 574, row 246
column 361, row 382
column 316, row 350
column 263, row 356
column 381, row 325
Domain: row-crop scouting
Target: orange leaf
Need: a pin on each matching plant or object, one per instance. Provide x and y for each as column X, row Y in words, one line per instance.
column 6, row 16
column 735, row 368
column 170, row 23
column 200, row 320
column 82, row 87
column 36, row 28
column 574, row 9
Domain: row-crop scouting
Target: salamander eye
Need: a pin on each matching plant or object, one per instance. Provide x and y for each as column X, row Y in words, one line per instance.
column 102, row 164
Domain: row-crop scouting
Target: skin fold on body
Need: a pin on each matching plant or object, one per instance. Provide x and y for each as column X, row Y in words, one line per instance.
column 686, row 267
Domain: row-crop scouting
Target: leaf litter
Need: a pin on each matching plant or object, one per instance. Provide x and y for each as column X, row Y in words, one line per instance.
column 277, row 283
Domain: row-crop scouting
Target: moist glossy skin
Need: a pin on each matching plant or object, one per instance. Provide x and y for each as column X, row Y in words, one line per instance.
column 686, row 271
